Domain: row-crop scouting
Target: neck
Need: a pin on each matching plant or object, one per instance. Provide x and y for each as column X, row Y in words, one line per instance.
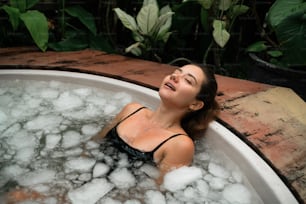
column 167, row 117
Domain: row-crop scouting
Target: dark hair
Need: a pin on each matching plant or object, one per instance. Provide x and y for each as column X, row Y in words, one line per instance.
column 196, row 122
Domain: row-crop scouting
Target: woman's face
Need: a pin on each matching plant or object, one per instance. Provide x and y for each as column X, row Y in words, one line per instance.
column 182, row 86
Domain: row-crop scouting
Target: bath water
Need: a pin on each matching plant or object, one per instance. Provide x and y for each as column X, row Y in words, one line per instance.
column 46, row 155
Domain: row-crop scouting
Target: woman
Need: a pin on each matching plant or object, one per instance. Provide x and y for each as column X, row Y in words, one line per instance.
column 165, row 135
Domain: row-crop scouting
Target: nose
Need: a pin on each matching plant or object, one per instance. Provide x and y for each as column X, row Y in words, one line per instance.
column 174, row 77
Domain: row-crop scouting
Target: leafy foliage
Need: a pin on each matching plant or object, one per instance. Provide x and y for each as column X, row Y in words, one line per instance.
column 82, row 35
column 218, row 17
column 150, row 29
column 285, row 19
column 35, row 21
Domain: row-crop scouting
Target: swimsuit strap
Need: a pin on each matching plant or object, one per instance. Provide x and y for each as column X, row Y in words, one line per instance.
column 130, row 114
column 163, row 142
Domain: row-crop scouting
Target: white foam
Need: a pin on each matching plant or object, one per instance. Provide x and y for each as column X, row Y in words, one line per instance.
column 85, row 177
column 237, row 176
column 122, row 178
column 44, row 122
column 153, row 197
column 218, row 170
column 27, row 140
column 202, row 187
column 109, row 109
column 13, row 171
column 190, row 194
column 90, row 129
column 11, row 131
column 67, row 101
column 25, row 155
column 83, row 92
column 87, row 113
column 179, row 178
column 97, row 101
column 132, row 201
column 123, row 161
column 109, row 201
column 91, row 192
column 50, row 200
column 122, row 97
column 217, row 183
column 71, row 138
column 36, row 177
column 237, row 193
column 74, row 152
column 150, row 170
column 49, row 93
column 100, row 170
column 92, row 145
column 52, row 141
column 3, row 117
column 33, row 103
column 80, row 164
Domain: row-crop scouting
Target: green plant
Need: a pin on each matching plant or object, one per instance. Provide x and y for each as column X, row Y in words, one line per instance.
column 218, row 17
column 35, row 22
column 283, row 33
column 150, row 29
column 78, row 31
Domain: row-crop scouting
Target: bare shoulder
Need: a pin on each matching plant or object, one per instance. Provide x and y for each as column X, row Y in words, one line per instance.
column 180, row 144
column 128, row 109
column 184, row 142
column 178, row 151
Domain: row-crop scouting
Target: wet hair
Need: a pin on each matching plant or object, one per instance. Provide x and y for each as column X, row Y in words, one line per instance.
column 196, row 122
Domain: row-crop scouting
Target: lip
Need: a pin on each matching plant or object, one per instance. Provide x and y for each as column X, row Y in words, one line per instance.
column 170, row 86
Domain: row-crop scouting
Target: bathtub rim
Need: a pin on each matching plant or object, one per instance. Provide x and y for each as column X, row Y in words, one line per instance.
column 274, row 183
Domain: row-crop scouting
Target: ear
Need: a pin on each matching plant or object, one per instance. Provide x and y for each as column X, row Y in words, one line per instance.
column 196, row 105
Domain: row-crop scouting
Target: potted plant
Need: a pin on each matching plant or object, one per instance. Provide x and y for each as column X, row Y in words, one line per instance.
column 150, row 29
column 279, row 57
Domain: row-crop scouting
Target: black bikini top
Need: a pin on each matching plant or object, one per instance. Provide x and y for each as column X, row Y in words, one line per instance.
column 119, row 143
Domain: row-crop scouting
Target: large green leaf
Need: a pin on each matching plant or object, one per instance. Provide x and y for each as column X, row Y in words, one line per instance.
column 220, row 34
column 147, row 2
column 206, row 4
column 281, row 9
column 84, row 16
column 224, row 4
column 147, row 17
column 165, row 10
column 31, row 3
column 13, row 15
column 37, row 25
column 127, row 20
column 162, row 26
column 257, row 47
column 291, row 33
column 19, row 4
column 238, row 10
column 74, row 42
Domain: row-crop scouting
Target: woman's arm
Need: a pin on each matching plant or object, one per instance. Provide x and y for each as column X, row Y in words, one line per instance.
column 177, row 154
column 127, row 109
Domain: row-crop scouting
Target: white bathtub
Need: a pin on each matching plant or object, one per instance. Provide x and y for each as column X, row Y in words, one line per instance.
column 260, row 175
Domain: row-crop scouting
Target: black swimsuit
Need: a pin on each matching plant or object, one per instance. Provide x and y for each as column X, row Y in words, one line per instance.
column 131, row 151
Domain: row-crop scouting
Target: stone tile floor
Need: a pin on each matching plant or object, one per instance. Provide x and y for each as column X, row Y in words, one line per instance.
column 272, row 120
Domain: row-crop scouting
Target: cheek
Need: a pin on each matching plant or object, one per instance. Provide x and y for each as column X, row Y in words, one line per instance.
column 188, row 95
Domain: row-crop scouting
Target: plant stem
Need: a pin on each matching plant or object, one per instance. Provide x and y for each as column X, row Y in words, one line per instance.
column 207, row 51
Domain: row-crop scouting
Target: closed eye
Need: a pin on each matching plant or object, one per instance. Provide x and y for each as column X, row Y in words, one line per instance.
column 188, row 81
